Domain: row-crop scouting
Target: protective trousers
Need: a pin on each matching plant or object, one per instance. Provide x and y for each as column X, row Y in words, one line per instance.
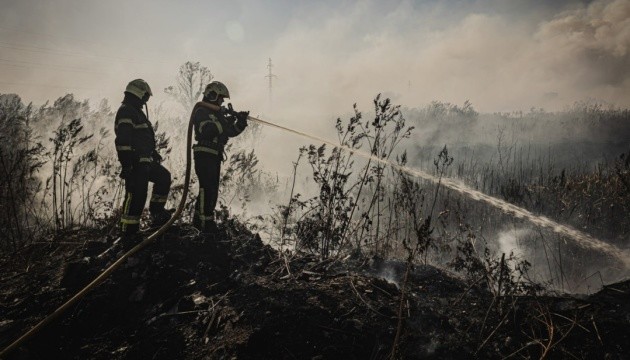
column 136, row 188
column 208, row 170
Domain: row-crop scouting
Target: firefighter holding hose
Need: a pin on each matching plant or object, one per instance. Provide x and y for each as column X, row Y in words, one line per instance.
column 213, row 125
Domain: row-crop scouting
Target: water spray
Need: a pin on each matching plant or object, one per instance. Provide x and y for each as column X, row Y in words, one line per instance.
column 582, row 239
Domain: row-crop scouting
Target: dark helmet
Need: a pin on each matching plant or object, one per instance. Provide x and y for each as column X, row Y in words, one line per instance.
column 215, row 89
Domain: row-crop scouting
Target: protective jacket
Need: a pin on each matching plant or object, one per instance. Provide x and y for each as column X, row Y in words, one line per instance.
column 135, row 138
column 212, row 130
column 135, row 145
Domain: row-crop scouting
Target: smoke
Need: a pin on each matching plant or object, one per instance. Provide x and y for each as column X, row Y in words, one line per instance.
column 508, row 241
column 555, row 262
column 329, row 55
column 326, row 57
column 390, row 273
column 499, row 63
column 589, row 47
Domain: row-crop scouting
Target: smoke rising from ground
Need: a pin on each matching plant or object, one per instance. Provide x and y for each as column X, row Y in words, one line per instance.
column 328, row 56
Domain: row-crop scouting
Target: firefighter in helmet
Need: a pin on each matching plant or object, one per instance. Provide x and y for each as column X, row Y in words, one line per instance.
column 135, row 145
column 212, row 130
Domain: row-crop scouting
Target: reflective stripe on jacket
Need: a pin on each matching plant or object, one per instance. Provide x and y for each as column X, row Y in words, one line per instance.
column 135, row 138
column 212, row 130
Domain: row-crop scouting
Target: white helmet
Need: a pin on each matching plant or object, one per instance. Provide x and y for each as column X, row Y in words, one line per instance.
column 139, row 88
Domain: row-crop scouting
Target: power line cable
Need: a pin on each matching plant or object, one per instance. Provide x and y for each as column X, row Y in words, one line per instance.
column 55, row 67
column 45, row 50
column 14, row 30
column 23, row 64
column 46, row 86
column 33, row 48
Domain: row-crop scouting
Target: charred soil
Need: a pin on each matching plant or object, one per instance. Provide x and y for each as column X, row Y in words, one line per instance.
column 233, row 297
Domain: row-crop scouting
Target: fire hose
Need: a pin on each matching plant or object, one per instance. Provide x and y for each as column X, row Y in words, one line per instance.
column 105, row 273
column 584, row 239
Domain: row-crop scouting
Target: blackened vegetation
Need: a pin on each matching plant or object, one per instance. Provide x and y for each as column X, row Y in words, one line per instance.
column 364, row 266
column 351, row 210
column 57, row 172
column 235, row 297
column 20, row 158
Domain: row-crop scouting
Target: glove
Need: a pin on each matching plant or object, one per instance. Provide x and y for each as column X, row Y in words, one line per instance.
column 157, row 157
column 126, row 172
column 241, row 119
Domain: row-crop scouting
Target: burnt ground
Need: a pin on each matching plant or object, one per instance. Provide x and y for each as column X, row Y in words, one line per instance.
column 235, row 298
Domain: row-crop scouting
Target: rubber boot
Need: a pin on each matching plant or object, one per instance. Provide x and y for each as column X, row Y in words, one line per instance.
column 161, row 217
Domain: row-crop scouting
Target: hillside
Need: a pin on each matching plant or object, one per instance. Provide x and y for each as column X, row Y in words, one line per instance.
column 181, row 298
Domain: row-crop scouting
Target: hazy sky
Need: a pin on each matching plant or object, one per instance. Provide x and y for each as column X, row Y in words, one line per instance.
column 502, row 55
column 327, row 55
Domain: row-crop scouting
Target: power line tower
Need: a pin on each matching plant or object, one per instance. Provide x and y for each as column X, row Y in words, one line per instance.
column 270, row 76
